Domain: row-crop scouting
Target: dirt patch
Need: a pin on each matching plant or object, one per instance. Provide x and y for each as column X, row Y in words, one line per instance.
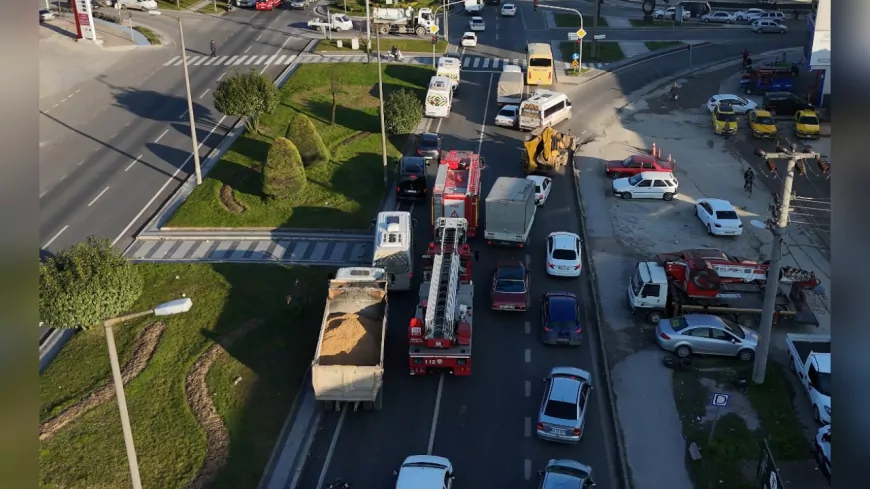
column 229, row 200
column 143, row 347
column 351, row 339
column 352, row 139
column 217, row 436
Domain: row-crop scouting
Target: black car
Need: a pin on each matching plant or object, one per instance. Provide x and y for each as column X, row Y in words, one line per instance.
column 429, row 146
column 412, row 178
column 492, row 2
column 784, row 103
column 561, row 319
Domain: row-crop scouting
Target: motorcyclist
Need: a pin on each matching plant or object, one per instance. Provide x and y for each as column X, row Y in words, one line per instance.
column 394, row 51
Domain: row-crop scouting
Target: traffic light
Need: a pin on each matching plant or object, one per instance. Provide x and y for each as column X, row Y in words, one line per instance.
column 535, row 4
column 434, row 39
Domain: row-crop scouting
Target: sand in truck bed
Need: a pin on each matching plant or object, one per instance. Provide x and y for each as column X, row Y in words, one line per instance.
column 351, row 339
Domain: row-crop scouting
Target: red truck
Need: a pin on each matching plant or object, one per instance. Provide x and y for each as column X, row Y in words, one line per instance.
column 456, row 193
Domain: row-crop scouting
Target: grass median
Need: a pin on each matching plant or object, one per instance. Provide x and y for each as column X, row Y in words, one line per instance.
column 342, row 193
column 149, row 34
column 265, row 317
column 609, row 52
column 404, row 45
column 572, row 20
column 656, row 45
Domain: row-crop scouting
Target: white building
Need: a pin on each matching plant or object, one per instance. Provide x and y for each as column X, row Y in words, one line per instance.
column 817, row 52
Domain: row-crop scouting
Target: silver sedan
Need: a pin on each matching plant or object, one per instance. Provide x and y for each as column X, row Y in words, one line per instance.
column 562, row 416
column 705, row 334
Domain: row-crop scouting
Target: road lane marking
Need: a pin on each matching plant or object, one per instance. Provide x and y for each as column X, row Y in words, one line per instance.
column 133, row 162
column 258, row 37
column 172, row 60
column 222, row 75
column 527, row 427
column 200, row 61
column 246, row 50
column 434, row 416
column 527, row 386
column 528, row 355
column 527, row 469
column 161, row 136
column 528, row 327
column 485, row 109
column 47, row 244
column 438, row 127
column 528, row 260
column 523, row 19
column 98, row 196
column 322, row 480
column 183, row 115
column 411, row 209
column 205, row 92
column 239, row 61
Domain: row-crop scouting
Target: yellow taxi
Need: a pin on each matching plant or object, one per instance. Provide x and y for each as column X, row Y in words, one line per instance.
column 724, row 120
column 761, row 124
column 806, row 124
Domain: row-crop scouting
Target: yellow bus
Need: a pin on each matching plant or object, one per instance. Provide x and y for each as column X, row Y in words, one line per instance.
column 540, row 64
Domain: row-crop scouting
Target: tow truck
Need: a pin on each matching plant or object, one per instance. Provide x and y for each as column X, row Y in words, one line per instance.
column 456, row 193
column 439, row 335
column 709, row 281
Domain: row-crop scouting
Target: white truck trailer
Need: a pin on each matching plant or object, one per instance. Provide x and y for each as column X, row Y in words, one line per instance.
column 811, row 362
column 511, row 85
column 402, row 21
column 510, row 212
column 348, row 365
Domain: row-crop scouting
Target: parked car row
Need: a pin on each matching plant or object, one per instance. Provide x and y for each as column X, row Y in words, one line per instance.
column 725, row 108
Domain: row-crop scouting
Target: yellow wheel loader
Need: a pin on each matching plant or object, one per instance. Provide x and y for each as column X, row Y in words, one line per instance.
column 547, row 149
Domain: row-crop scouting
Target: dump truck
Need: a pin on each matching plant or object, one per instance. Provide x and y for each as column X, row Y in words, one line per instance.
column 547, row 149
column 348, row 365
column 511, row 84
column 402, row 21
column 510, row 212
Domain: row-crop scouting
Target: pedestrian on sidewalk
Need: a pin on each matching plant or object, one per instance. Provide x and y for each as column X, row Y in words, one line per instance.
column 213, row 49
column 745, row 55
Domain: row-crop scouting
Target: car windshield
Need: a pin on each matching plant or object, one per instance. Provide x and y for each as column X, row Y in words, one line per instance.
column 409, row 167
column 541, row 62
column 636, row 282
column 564, row 255
column 428, row 141
column 765, row 120
column 561, row 410
column 635, row 179
column 508, row 113
column 510, row 286
column 809, row 120
column 824, row 384
column 627, row 162
column 468, row 36
column 570, row 471
column 342, row 18
column 727, row 215
column 726, row 117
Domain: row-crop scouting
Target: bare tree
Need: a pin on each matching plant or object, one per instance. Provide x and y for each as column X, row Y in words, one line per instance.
column 335, row 88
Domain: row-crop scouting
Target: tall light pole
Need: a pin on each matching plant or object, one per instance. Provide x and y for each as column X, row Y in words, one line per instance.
column 369, row 29
column 172, row 307
column 196, row 166
column 381, row 97
column 771, row 290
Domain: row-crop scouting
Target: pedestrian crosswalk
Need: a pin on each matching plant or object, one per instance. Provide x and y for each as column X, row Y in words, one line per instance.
column 468, row 62
column 299, row 250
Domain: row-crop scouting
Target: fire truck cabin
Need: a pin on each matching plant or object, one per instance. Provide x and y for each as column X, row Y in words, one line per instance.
column 457, row 188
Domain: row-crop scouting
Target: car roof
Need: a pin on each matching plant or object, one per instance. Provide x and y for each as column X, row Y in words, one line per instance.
column 469, row 34
column 565, row 389
column 724, row 108
column 420, row 478
column 762, row 112
column 644, row 158
column 655, row 174
column 564, row 240
column 512, row 270
column 512, row 107
column 708, row 320
column 428, row 136
column 719, row 204
column 807, row 112
column 722, row 96
column 538, row 179
column 562, row 306
column 476, row 18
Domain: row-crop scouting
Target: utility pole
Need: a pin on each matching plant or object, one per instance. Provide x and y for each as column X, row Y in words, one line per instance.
column 381, row 97
column 190, row 107
column 595, row 53
column 796, row 164
column 369, row 30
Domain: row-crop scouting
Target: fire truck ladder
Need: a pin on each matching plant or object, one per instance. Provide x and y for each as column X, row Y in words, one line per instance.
column 441, row 308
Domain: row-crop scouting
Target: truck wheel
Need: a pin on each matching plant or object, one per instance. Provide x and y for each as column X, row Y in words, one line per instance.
column 379, row 401
column 683, row 351
column 421, row 32
column 654, row 317
column 745, row 355
column 384, row 30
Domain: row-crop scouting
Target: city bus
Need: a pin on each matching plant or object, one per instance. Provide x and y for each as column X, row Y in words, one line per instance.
column 540, row 64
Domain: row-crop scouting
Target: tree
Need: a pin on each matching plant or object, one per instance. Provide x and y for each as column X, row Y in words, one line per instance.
column 402, row 111
column 304, row 135
column 247, row 95
column 87, row 284
column 335, row 89
column 283, row 172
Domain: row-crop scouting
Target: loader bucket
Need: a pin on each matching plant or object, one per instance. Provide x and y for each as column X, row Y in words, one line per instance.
column 528, row 158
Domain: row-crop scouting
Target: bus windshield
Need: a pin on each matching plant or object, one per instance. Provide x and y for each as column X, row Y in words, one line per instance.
column 540, row 62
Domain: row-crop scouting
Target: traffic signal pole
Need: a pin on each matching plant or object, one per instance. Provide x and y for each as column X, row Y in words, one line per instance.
column 535, row 4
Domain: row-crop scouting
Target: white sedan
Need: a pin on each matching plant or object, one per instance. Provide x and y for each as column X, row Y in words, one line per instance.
column 477, row 24
column 670, row 13
column 507, row 116
column 718, row 17
column 469, row 40
column 508, row 10
column 739, row 104
column 748, row 15
column 543, row 185
column 719, row 217
column 564, row 256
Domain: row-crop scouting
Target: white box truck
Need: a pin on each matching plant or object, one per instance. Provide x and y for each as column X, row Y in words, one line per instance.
column 510, row 212
column 811, row 362
column 473, row 7
column 511, row 85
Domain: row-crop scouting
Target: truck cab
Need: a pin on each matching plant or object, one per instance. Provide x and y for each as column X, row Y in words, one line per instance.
column 425, row 472
column 648, row 291
column 811, row 362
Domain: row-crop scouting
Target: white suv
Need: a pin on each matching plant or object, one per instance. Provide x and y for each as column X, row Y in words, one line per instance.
column 771, row 16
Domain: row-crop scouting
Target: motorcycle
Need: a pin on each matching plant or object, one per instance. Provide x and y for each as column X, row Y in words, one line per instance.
column 396, row 55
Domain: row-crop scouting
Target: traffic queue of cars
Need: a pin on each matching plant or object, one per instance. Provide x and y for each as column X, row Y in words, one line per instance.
column 725, row 109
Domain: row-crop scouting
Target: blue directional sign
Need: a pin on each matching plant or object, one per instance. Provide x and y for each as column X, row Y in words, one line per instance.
column 575, row 56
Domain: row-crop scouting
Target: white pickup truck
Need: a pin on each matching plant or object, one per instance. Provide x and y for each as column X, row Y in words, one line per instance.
column 811, row 362
column 335, row 22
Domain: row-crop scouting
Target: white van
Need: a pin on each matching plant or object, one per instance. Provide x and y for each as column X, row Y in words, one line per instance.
column 138, row 4
column 647, row 185
column 439, row 98
column 450, row 68
column 425, row 472
column 394, row 248
column 544, row 108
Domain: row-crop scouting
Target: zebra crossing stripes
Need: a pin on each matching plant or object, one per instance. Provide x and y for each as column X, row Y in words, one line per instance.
column 284, row 250
column 236, row 60
column 479, row 62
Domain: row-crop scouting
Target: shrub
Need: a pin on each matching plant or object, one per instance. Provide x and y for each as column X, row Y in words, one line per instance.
column 247, row 95
column 283, row 172
column 304, row 135
column 402, row 112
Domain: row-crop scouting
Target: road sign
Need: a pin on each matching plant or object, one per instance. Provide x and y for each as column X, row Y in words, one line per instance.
column 720, row 400
column 433, row 29
column 454, row 214
column 575, row 64
column 575, row 56
column 599, row 37
column 581, row 33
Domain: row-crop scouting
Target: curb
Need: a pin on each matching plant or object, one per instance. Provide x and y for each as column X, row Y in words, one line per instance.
column 52, row 345
column 138, row 37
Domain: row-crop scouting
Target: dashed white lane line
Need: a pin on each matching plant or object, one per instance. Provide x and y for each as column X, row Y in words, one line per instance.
column 434, row 417
column 528, row 327
column 527, row 387
column 98, row 196
column 161, row 136
column 527, row 427
column 528, row 355
column 49, row 242
column 218, row 79
column 527, row 469
column 528, row 260
column 246, row 50
column 485, row 109
column 331, row 450
column 133, row 162
column 205, row 92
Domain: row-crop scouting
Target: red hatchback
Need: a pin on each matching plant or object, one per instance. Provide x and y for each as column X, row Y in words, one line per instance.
column 635, row 164
column 510, row 287
column 267, row 4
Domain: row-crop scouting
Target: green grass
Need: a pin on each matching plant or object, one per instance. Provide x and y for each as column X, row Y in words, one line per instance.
column 608, row 52
column 655, row 45
column 343, row 193
column 357, row 8
column 170, row 444
column 404, row 45
column 571, row 20
column 149, row 34
column 211, row 8
column 734, row 445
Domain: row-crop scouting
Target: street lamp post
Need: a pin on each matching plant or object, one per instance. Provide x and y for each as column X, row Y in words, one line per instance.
column 165, row 309
column 190, row 114
column 381, row 97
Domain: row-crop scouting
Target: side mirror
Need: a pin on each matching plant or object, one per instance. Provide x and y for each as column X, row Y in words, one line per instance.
column 395, row 473
column 592, row 484
column 540, row 472
column 452, row 477
column 545, row 379
column 414, row 222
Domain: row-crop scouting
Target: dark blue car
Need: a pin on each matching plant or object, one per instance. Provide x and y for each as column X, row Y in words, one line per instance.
column 561, row 319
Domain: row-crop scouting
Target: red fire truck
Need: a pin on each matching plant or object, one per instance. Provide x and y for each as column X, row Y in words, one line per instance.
column 266, row 4
column 439, row 335
column 456, row 193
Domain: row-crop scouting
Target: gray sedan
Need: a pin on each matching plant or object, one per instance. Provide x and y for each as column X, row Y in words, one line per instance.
column 705, row 334
column 563, row 409
column 768, row 26
column 562, row 474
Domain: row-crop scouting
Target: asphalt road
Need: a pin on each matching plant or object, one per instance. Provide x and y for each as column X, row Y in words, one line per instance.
column 710, row 34
column 106, row 173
